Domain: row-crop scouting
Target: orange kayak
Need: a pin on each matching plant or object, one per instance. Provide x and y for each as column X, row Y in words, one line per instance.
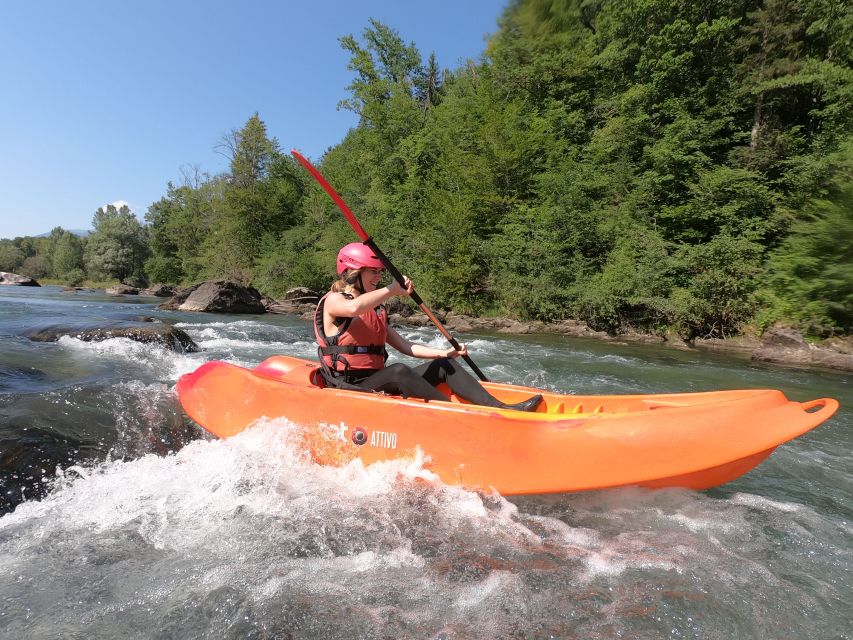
column 571, row 443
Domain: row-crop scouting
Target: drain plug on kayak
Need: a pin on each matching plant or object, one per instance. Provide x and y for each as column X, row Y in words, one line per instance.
column 359, row 436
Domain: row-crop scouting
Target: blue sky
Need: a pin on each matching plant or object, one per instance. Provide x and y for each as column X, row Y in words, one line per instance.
column 103, row 102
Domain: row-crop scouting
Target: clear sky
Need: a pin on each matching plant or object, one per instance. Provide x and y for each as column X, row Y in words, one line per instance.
column 105, row 101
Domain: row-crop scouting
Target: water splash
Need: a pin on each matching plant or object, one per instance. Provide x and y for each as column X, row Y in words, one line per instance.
column 248, row 535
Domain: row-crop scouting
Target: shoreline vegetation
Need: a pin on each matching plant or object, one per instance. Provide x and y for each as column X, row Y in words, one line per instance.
column 679, row 172
column 778, row 345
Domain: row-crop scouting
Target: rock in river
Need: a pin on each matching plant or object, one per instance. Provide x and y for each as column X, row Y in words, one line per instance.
column 147, row 332
column 122, row 290
column 158, row 291
column 14, row 280
column 217, row 296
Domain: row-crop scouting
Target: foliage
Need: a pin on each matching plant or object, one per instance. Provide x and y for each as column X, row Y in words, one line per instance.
column 641, row 164
column 68, row 258
column 11, row 257
column 118, row 245
column 810, row 279
column 37, row 266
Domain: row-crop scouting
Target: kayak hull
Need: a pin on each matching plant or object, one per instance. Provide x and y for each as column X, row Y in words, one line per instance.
column 572, row 443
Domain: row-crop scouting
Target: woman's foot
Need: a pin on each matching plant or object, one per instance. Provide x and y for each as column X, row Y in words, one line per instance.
column 527, row 405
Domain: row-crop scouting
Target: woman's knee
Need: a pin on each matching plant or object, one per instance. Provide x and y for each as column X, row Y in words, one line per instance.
column 399, row 371
column 397, row 368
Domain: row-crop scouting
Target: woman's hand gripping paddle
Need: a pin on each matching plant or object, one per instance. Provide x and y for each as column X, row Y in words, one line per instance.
column 367, row 240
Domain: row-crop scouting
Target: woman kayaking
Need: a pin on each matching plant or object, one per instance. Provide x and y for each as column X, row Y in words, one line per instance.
column 351, row 327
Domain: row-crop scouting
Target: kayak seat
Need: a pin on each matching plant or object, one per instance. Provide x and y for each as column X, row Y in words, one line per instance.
column 316, row 378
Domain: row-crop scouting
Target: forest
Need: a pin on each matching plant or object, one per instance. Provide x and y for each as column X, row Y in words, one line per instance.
column 653, row 165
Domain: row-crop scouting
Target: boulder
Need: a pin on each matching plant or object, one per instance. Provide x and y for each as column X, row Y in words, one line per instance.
column 456, row 323
column 147, row 332
column 217, row 296
column 14, row 280
column 285, row 307
column 298, row 300
column 575, row 328
column 122, row 290
column 519, row 327
column 784, row 345
column 418, row 319
column 398, row 307
column 180, row 296
column 302, row 295
column 158, row 291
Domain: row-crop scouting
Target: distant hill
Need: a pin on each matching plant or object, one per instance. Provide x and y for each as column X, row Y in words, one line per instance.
column 82, row 233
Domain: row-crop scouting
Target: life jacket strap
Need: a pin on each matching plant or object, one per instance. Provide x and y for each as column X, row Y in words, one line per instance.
column 371, row 349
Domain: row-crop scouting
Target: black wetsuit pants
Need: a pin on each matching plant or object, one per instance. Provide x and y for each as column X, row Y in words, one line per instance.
column 420, row 382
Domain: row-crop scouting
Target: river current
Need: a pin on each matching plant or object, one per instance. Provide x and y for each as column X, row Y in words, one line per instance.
column 123, row 520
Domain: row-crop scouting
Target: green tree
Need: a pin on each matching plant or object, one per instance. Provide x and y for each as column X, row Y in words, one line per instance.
column 810, row 277
column 249, row 152
column 11, row 257
column 118, row 245
column 68, row 258
column 37, row 266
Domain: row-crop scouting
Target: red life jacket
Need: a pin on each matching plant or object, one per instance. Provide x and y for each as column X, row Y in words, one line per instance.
column 360, row 343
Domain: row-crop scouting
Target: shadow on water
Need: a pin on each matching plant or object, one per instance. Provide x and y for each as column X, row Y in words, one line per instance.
column 40, row 433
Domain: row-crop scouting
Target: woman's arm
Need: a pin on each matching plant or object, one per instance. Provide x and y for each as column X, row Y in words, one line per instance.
column 421, row 350
column 340, row 307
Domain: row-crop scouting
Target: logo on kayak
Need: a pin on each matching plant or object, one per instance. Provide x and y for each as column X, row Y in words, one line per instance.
column 383, row 439
column 360, row 435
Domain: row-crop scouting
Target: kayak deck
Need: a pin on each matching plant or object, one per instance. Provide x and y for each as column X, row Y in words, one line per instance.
column 571, row 443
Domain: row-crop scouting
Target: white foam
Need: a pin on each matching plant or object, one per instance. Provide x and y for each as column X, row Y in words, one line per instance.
column 160, row 362
column 222, row 343
column 765, row 504
column 495, row 582
column 179, row 499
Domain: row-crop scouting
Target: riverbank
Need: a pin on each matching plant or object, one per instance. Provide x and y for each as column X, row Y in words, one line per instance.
column 778, row 345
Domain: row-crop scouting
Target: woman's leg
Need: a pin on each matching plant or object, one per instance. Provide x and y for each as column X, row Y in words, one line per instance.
column 460, row 381
column 400, row 379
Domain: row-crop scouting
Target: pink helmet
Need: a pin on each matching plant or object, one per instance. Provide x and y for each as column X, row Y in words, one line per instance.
column 357, row 255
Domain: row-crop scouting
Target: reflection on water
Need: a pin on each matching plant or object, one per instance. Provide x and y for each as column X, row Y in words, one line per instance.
column 148, row 528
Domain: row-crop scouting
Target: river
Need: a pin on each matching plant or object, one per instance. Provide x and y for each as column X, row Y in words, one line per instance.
column 121, row 519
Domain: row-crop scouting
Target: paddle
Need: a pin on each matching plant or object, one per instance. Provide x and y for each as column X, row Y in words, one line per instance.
column 367, row 240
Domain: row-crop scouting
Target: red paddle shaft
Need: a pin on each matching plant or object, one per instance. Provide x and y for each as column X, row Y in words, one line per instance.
column 366, row 239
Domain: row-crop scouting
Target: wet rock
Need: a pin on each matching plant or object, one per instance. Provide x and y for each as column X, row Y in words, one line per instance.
column 415, row 320
column 158, row 291
column 784, row 345
column 457, row 323
column 303, row 295
column 15, row 280
column 217, row 296
column 284, row 307
column 398, row 307
column 122, row 290
column 832, row 359
column 635, row 337
column 575, row 328
column 146, row 332
column 297, row 300
column 521, row 328
column 174, row 303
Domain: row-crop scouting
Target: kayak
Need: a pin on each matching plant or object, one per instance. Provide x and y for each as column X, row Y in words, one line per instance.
column 571, row 443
